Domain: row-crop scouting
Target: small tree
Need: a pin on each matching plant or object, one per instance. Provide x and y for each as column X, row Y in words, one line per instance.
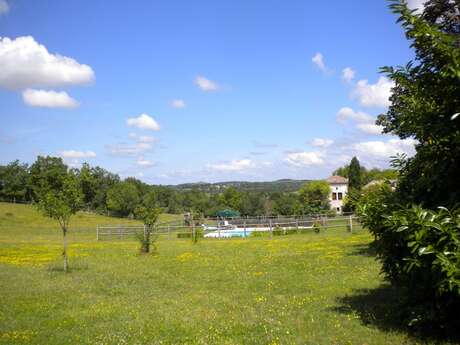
column 60, row 204
column 148, row 212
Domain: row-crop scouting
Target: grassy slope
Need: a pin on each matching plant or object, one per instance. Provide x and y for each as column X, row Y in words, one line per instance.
column 297, row 289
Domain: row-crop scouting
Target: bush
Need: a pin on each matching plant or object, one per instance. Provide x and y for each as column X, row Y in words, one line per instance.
column 420, row 252
column 317, row 226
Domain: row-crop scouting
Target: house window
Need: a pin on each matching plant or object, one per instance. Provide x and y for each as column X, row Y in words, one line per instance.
column 338, row 209
column 340, row 196
column 334, row 196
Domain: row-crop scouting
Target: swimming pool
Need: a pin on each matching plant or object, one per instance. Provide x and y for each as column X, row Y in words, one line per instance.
column 241, row 232
column 237, row 232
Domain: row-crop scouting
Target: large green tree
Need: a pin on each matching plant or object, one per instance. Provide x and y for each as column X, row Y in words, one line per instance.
column 416, row 238
column 46, row 172
column 355, row 180
column 14, row 182
column 425, row 103
column 123, row 198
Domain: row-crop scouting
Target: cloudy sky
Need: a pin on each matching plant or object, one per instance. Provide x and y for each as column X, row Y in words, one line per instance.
column 182, row 91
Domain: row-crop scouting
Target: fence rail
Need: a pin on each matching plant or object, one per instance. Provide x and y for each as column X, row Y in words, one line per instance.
column 242, row 228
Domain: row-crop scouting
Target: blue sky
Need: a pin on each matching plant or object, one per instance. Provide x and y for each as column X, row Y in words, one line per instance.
column 182, row 91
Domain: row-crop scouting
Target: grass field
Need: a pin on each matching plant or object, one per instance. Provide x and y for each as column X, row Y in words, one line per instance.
column 299, row 289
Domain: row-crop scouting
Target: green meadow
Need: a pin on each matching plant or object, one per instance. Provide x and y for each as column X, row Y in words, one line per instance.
column 299, row 289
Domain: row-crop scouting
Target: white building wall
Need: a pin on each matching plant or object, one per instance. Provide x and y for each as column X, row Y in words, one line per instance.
column 338, row 188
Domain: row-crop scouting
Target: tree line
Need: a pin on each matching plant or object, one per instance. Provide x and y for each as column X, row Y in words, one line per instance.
column 106, row 193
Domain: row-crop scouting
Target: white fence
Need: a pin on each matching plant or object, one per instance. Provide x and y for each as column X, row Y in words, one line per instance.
column 236, row 227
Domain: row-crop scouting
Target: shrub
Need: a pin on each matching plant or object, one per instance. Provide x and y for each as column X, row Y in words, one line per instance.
column 317, row 226
column 420, row 252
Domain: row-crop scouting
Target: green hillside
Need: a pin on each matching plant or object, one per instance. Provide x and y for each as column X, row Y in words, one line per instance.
column 280, row 186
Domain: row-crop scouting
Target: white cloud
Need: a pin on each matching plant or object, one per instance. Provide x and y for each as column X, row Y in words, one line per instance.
column 77, row 154
column 144, row 163
column 177, row 103
column 373, row 95
column 142, row 138
column 348, row 74
column 370, row 128
column 48, row 99
column 235, row 165
column 123, row 149
column 303, row 159
column 321, row 142
column 26, row 63
column 206, row 84
column 318, row 60
column 418, row 5
column 4, row 7
column 346, row 113
column 143, row 121
column 385, row 149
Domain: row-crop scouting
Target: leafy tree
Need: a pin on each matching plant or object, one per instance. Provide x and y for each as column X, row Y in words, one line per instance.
column 354, row 174
column 14, row 182
column 231, row 198
column 425, row 103
column 148, row 212
column 123, row 198
column 88, row 184
column 314, row 196
column 252, row 203
column 285, row 204
column 416, row 237
column 60, row 200
column 46, row 172
column 103, row 181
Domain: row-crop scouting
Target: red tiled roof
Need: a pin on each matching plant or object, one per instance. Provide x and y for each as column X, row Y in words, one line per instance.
column 337, row 179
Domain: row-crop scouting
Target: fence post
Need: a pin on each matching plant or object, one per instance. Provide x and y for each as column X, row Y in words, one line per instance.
column 244, row 224
column 297, row 225
column 145, row 232
column 120, row 234
column 169, row 232
column 97, row 233
column 193, row 232
column 271, row 230
column 218, row 229
column 351, row 224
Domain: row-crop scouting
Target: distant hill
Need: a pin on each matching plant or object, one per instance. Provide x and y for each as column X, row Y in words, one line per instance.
column 284, row 185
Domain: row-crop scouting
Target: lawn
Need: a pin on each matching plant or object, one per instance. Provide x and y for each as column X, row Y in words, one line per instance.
column 299, row 289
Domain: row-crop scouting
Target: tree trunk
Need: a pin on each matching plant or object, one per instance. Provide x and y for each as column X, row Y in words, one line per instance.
column 145, row 248
column 64, row 253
